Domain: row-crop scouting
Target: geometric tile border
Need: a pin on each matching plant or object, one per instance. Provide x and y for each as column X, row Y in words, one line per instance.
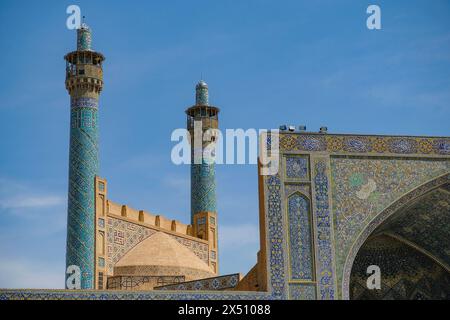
column 325, row 270
column 225, row 282
column 376, row 145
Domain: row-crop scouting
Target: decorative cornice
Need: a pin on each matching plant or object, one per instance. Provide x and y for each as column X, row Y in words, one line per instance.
column 365, row 144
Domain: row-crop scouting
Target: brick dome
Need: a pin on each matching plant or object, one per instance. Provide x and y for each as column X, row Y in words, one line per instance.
column 162, row 255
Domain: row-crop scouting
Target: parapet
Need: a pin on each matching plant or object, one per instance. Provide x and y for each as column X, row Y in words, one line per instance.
column 141, row 216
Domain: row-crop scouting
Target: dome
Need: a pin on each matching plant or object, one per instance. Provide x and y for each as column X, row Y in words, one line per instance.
column 202, row 84
column 162, row 255
column 201, row 94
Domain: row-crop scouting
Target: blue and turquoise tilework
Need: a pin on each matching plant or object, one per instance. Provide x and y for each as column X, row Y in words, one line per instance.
column 298, row 291
column 300, row 240
column 203, row 188
column 83, row 167
column 324, row 242
column 297, row 167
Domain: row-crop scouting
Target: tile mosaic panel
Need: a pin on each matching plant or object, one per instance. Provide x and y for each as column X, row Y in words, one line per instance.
column 122, row 236
column 199, row 248
column 323, row 231
column 300, row 238
column 297, row 167
column 299, row 291
column 276, row 253
column 218, row 283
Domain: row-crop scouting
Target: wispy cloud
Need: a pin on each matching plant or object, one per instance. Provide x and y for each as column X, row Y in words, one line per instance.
column 31, row 203
column 42, row 201
column 32, row 221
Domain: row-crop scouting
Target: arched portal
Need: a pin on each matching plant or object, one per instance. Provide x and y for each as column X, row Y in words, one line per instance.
column 410, row 242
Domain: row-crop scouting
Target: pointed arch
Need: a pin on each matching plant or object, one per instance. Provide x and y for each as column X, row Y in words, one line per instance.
column 378, row 220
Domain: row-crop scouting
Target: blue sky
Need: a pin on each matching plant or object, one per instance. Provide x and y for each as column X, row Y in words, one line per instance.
column 266, row 62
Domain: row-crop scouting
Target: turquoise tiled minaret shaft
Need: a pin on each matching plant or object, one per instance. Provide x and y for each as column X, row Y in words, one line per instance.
column 203, row 181
column 84, row 82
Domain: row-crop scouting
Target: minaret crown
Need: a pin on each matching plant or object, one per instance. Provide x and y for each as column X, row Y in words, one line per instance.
column 84, row 73
column 201, row 94
column 202, row 110
column 84, row 38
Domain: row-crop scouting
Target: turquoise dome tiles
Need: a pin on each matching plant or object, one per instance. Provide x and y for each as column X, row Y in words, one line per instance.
column 83, row 167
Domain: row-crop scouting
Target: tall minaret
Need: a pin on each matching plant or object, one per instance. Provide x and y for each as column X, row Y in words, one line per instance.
column 202, row 116
column 84, row 82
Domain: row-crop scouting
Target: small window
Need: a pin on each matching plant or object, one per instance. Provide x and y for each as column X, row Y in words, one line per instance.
column 81, row 72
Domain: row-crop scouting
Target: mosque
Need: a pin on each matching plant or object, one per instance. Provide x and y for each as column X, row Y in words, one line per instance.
column 118, row 247
column 338, row 204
